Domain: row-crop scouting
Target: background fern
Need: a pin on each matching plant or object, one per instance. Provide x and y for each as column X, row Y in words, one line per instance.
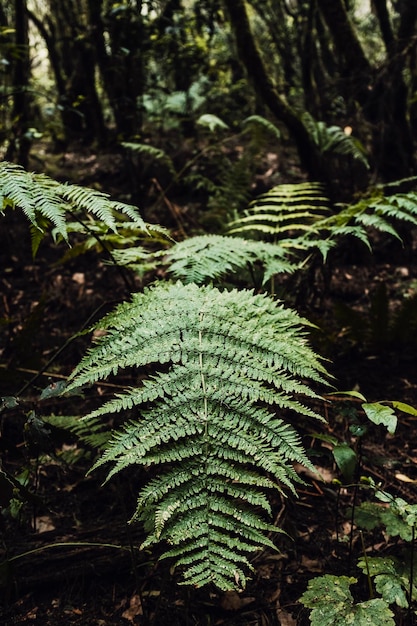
column 47, row 202
column 284, row 208
column 212, row 420
column 299, row 217
column 332, row 140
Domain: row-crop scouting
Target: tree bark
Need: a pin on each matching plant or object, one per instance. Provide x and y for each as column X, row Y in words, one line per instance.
column 72, row 56
column 348, row 47
column 381, row 93
column 257, row 74
column 384, row 21
column 19, row 146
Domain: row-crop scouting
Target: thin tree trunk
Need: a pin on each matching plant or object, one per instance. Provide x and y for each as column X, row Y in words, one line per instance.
column 384, row 21
column 19, row 145
column 264, row 87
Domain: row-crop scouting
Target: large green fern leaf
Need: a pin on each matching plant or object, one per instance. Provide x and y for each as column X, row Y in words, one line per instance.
column 229, row 368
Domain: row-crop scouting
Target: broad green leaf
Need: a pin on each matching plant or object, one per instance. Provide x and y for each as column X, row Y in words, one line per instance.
column 333, row 604
column 391, row 588
column 395, row 525
column 368, row 515
column 352, row 394
column 388, row 580
column 53, row 390
column 345, row 459
column 380, row 414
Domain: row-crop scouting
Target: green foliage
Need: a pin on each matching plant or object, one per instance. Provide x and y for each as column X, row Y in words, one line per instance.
column 212, row 122
column 334, row 141
column 151, row 153
column 47, row 202
column 381, row 414
column 234, row 174
column 332, row 604
column 211, row 419
column 207, row 257
column 399, row 518
column 299, row 216
column 390, row 578
column 284, row 209
column 374, row 213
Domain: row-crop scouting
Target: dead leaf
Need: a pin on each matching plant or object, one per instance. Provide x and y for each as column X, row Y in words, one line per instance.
column 79, row 278
column 32, row 614
column 135, row 608
column 44, row 524
column 286, row 619
column 405, row 479
column 232, row 601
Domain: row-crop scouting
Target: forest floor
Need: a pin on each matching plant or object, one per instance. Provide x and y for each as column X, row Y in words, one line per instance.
column 60, row 557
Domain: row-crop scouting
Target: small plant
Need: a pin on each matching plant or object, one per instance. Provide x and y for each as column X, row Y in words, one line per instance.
column 230, row 185
column 299, row 217
column 332, row 604
column 211, row 420
column 393, row 578
column 332, row 140
column 205, row 258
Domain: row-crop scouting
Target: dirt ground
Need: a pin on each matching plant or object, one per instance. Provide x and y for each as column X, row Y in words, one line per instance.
column 69, row 556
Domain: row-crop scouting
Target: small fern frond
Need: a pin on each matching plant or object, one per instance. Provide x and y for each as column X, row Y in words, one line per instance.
column 285, row 208
column 256, row 123
column 150, row 152
column 378, row 213
column 333, row 140
column 207, row 257
column 214, row 421
column 212, row 122
column 374, row 220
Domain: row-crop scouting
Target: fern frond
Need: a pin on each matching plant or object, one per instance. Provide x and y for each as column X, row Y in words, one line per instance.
column 284, row 208
column 150, row 152
column 333, row 140
column 214, row 422
column 356, row 219
column 376, row 221
column 212, row 122
column 256, row 123
column 207, row 257
column 45, row 201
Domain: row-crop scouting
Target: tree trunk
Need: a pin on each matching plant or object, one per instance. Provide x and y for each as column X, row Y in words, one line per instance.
column 19, row 146
column 265, row 89
column 72, row 56
column 121, row 67
column 383, row 95
column 384, row 21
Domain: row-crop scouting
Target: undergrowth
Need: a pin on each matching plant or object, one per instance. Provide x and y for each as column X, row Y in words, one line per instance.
column 223, row 371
